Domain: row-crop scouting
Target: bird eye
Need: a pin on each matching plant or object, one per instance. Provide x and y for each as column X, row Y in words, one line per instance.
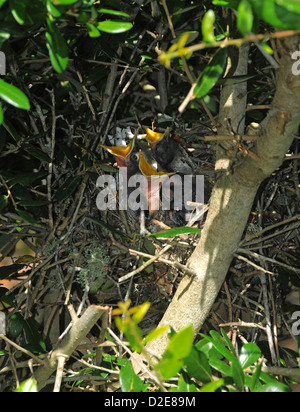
column 135, row 157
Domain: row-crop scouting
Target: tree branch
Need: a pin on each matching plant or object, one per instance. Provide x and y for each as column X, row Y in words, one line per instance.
column 68, row 345
column 231, row 203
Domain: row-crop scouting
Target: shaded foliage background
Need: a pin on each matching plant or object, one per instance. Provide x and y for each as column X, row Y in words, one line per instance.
column 50, row 160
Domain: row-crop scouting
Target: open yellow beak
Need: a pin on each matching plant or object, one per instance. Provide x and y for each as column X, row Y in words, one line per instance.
column 148, row 170
column 153, row 137
column 120, row 151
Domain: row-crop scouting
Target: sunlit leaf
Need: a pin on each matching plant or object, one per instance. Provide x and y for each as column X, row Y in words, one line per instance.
column 276, row 13
column 28, row 386
column 250, row 353
column 197, row 366
column 181, row 343
column 113, row 12
column 13, row 96
column 232, row 4
column 245, row 17
column 92, row 30
column 57, row 47
column 65, row 2
column 113, row 26
column 18, row 10
column 155, row 333
column 129, row 381
column 178, row 231
column 211, row 74
column 208, row 29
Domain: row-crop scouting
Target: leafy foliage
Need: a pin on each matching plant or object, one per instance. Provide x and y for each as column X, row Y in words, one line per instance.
column 57, row 105
column 194, row 364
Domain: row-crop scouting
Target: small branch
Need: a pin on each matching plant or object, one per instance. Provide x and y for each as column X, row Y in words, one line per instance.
column 50, row 174
column 177, row 265
column 166, row 56
column 59, row 374
column 266, row 259
column 231, row 138
column 261, row 269
column 145, row 265
column 69, row 344
column 18, row 347
column 242, row 324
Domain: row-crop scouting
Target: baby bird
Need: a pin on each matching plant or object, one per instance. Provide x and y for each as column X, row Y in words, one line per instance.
column 167, row 153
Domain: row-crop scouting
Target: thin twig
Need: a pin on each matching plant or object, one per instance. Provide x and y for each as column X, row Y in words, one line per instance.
column 18, row 347
column 145, row 265
column 266, row 259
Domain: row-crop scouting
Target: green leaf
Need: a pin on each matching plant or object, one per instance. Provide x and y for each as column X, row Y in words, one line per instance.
column 2, row 2
column 13, row 96
column 197, row 366
column 27, row 217
column 212, row 386
column 208, row 29
column 220, row 366
column 132, row 332
column 232, row 4
column 114, row 12
column 6, row 301
column 26, row 179
column 92, row 30
column 129, row 381
column 68, row 188
column 54, row 9
column 113, row 26
column 1, row 115
column 254, row 383
column 276, row 15
column 11, row 130
column 65, row 2
column 169, row 367
column 185, row 384
column 33, row 203
column 274, row 387
column 3, row 201
column 178, row 231
column 37, row 153
column 238, row 374
column 211, row 74
column 28, row 386
column 155, row 333
column 228, row 342
column 220, row 345
column 141, row 312
column 34, row 340
column 180, row 345
column 18, row 10
column 290, row 5
column 6, row 271
column 57, row 47
column 16, row 325
column 245, row 18
column 250, row 353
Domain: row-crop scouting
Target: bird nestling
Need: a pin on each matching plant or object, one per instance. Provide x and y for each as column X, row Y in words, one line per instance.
column 132, row 158
column 166, row 152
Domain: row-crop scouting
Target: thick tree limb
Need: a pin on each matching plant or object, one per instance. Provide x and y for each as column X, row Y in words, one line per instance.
column 79, row 330
column 231, row 203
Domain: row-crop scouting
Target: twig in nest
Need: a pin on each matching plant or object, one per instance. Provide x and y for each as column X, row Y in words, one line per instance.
column 225, row 137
